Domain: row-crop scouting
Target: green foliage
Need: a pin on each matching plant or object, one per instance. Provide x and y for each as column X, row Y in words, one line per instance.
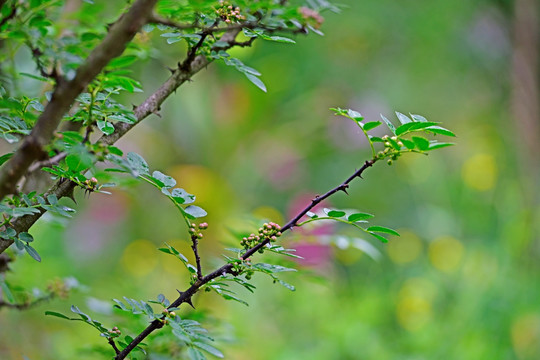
column 75, row 155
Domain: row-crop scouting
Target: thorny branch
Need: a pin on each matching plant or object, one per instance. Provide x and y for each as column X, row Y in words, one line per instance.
column 18, row 165
column 185, row 297
column 26, row 305
column 65, row 93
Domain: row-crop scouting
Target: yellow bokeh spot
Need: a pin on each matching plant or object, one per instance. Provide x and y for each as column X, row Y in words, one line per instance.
column 445, row 253
column 268, row 213
column 404, row 249
column 526, row 336
column 414, row 309
column 479, row 172
column 139, row 258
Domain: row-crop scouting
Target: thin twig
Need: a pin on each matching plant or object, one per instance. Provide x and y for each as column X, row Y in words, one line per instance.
column 156, row 19
column 49, row 162
column 8, row 16
column 113, row 344
column 194, row 247
column 26, row 305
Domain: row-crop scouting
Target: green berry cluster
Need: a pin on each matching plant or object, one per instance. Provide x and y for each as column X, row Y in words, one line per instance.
column 392, row 149
column 168, row 313
column 196, row 230
column 229, row 13
column 269, row 231
column 241, row 266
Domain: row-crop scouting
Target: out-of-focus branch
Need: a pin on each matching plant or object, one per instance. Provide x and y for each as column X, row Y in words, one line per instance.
column 10, row 15
column 65, row 93
column 26, row 305
column 525, row 99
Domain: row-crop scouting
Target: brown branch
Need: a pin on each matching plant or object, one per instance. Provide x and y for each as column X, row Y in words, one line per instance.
column 113, row 344
column 26, row 305
column 194, row 247
column 153, row 103
column 185, row 297
column 8, row 16
column 48, row 162
column 65, row 93
column 156, row 19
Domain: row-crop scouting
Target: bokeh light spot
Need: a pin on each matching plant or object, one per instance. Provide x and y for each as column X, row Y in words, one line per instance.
column 526, row 336
column 414, row 307
column 479, row 172
column 404, row 249
column 139, row 257
column 445, row 253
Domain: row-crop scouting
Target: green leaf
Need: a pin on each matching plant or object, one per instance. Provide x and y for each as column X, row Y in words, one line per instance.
column 413, row 126
column 137, row 164
column 171, row 250
column 32, row 252
column 5, row 157
column 394, row 143
column 381, row 238
column 404, row 119
column 382, row 229
column 280, row 39
column 26, row 237
column 76, row 310
column 163, row 180
column 359, row 216
column 433, row 146
column 334, row 213
column 421, row 143
column 408, row 143
column 76, row 162
column 371, row 125
column 57, row 314
column 106, row 127
column 6, row 291
column 440, row 130
column 255, row 80
column 122, row 61
column 182, row 196
column 355, row 115
column 194, row 212
column 208, row 348
column 195, row 354
column 286, row 284
column 52, row 199
column 232, row 297
column 114, row 150
column 389, row 124
column 418, row 118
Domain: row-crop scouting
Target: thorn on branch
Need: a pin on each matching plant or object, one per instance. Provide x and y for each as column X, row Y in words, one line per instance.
column 188, row 300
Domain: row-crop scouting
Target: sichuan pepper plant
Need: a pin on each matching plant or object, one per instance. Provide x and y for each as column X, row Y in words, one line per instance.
column 63, row 139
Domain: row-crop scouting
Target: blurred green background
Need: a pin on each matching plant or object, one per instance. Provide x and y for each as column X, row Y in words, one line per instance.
column 462, row 282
